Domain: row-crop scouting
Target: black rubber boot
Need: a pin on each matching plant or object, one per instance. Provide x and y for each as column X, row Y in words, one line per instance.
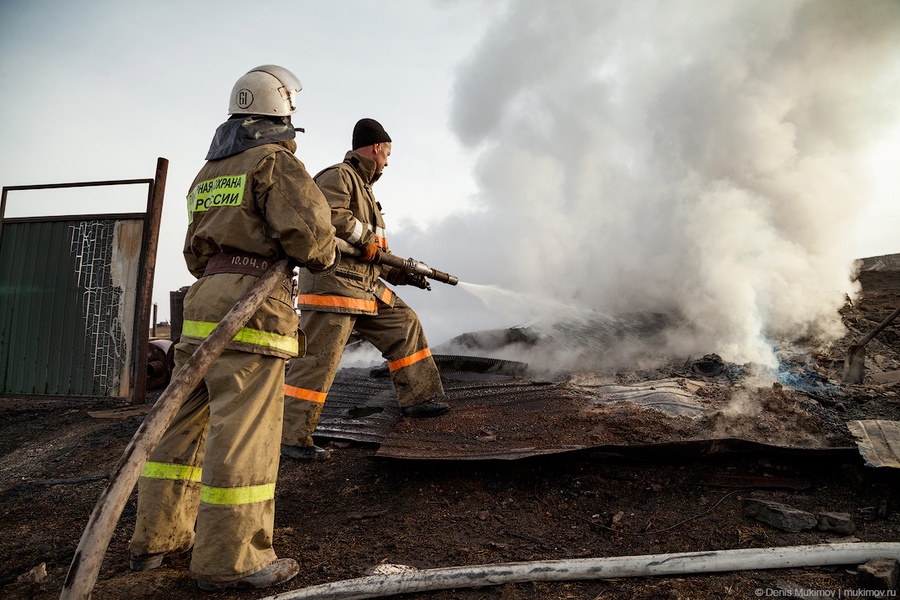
column 309, row 453
column 431, row 408
column 145, row 562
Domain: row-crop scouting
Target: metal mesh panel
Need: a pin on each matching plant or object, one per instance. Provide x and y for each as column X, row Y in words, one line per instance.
column 92, row 245
column 67, row 306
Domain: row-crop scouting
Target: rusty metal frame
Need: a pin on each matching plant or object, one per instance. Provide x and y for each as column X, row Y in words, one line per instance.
column 152, row 219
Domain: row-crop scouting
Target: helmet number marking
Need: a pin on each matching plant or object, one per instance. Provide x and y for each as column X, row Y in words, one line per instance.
column 244, row 98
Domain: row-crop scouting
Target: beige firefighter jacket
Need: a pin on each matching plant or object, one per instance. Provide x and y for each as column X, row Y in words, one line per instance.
column 354, row 287
column 262, row 202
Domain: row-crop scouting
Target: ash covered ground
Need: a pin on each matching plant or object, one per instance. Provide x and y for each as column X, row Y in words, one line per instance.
column 342, row 518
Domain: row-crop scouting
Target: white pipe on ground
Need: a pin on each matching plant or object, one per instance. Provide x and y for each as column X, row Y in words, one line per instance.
column 687, row 563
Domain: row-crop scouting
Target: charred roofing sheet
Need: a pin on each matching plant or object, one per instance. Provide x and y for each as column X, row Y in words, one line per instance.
column 878, row 442
column 506, row 417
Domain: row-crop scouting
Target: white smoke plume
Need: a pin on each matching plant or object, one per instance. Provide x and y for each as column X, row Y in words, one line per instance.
column 702, row 160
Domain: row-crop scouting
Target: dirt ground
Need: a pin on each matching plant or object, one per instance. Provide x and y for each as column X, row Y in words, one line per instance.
column 342, row 518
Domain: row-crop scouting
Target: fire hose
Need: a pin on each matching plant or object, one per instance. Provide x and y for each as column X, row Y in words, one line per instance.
column 615, row 567
column 94, row 541
column 409, row 264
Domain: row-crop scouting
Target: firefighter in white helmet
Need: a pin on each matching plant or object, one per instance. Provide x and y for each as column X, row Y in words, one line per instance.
column 355, row 297
column 251, row 204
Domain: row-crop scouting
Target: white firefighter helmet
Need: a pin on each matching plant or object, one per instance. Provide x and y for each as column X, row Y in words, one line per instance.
column 265, row 90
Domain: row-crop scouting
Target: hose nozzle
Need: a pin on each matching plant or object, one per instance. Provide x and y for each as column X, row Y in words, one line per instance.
column 423, row 269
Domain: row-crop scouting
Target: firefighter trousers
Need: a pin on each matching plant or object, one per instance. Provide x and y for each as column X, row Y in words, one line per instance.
column 216, row 466
column 396, row 331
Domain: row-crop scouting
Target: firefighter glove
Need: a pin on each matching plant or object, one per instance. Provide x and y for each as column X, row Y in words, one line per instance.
column 418, row 280
column 408, row 277
column 370, row 253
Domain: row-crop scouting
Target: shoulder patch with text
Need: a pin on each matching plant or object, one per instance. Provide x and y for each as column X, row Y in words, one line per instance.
column 227, row 190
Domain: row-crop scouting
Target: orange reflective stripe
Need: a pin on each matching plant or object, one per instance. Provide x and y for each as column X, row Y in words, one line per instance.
column 304, row 394
column 386, row 296
column 382, row 242
column 337, row 302
column 412, row 358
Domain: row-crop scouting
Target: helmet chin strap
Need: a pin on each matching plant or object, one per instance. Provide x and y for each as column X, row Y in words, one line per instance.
column 300, row 129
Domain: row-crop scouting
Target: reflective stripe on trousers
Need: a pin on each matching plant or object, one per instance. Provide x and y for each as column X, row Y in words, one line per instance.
column 409, row 360
column 155, row 470
column 395, row 331
column 304, row 394
column 209, row 494
column 215, row 469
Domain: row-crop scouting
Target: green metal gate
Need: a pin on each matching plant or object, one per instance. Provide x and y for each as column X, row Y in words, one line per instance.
column 75, row 297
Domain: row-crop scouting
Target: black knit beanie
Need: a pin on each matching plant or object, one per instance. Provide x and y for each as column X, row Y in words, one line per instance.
column 367, row 132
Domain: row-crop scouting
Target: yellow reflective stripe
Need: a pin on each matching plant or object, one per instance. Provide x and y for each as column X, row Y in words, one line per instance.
column 337, row 302
column 238, row 495
column 226, row 190
column 412, row 358
column 157, row 470
column 304, row 394
column 202, row 329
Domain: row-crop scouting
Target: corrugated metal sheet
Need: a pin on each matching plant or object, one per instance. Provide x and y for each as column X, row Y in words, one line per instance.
column 521, row 418
column 360, row 407
column 67, row 305
column 878, row 442
column 362, row 404
column 502, row 420
column 497, row 416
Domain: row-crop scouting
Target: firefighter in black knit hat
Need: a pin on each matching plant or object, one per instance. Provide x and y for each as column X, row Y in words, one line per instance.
column 354, row 297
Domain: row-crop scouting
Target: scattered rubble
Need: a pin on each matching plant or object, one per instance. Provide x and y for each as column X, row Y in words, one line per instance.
column 35, row 575
column 779, row 515
column 344, row 517
column 788, row 518
column 840, row 523
column 880, row 574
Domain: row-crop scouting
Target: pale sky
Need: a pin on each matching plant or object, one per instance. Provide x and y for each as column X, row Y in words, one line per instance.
column 97, row 90
column 548, row 148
